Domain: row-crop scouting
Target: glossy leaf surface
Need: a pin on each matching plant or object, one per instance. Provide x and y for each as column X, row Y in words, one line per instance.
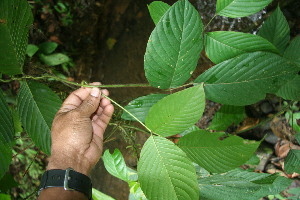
column 276, row 29
column 158, row 171
column 174, row 46
column 226, row 116
column 140, row 107
column 37, row 106
column 292, row 52
column 115, row 164
column 223, row 45
column 247, row 78
column 15, row 21
column 217, row 152
column 177, row 112
column 157, row 9
column 240, row 8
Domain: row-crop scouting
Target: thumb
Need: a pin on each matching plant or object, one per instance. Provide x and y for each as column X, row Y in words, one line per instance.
column 90, row 104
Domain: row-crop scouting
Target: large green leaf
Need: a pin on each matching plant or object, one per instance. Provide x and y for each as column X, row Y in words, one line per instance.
column 15, row 21
column 5, row 157
column 157, row 9
column 239, row 184
column 97, row 195
column 115, row 164
column 7, row 130
column 140, row 107
column 240, row 8
column 174, row 46
column 226, row 116
column 217, row 152
column 292, row 52
column 290, row 90
column 276, row 30
column 165, row 172
column 223, row 45
column 247, row 78
column 54, row 59
column 37, row 106
column 177, row 112
column 292, row 161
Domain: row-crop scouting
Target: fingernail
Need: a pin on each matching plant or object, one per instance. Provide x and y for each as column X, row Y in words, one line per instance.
column 95, row 92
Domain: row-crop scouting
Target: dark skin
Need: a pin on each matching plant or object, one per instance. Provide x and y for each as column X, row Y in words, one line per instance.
column 77, row 137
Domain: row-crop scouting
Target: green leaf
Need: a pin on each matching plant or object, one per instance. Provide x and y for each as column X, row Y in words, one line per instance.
column 297, row 137
column 292, row 52
column 247, row 78
column 239, row 184
column 7, row 130
column 189, row 130
column 37, row 105
column 295, row 192
column 223, row 45
column 240, row 8
column 6, row 157
column 5, row 197
column 31, row 49
column 177, row 112
column 54, row 59
column 115, row 164
column 293, row 121
column 140, row 107
column 276, row 30
column 15, row 21
column 290, row 90
column 7, row 182
column 48, row 47
column 226, row 116
column 292, row 161
column 97, row 195
column 217, row 152
column 136, row 192
column 174, row 46
column 165, row 172
column 157, row 9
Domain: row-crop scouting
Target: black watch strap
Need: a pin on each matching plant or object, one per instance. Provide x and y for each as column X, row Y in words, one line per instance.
column 68, row 179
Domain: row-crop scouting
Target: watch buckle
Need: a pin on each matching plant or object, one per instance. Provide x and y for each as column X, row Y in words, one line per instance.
column 67, row 178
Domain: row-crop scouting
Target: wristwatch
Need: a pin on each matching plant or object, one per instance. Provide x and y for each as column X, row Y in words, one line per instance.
column 69, row 179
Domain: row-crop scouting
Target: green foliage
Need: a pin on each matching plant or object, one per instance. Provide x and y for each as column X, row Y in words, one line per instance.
column 140, row 107
column 15, row 21
column 174, row 46
column 292, row 162
column 226, row 116
column 247, row 68
column 223, row 45
column 295, row 192
column 37, row 106
column 157, row 9
column 97, row 195
column 158, row 168
column 276, row 30
column 217, row 152
column 176, row 112
column 115, row 164
column 239, row 184
column 232, row 82
column 240, row 8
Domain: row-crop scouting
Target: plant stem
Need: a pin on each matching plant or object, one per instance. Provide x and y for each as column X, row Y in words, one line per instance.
column 127, row 112
column 209, row 22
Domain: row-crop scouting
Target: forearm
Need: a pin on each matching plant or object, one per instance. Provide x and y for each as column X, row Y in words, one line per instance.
column 57, row 193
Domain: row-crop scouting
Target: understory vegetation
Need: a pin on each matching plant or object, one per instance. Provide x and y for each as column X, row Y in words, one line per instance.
column 178, row 160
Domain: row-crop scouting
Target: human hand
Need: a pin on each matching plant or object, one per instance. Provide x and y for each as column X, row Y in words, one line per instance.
column 77, row 130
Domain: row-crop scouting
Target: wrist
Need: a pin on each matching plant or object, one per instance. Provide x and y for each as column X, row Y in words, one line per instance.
column 80, row 165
